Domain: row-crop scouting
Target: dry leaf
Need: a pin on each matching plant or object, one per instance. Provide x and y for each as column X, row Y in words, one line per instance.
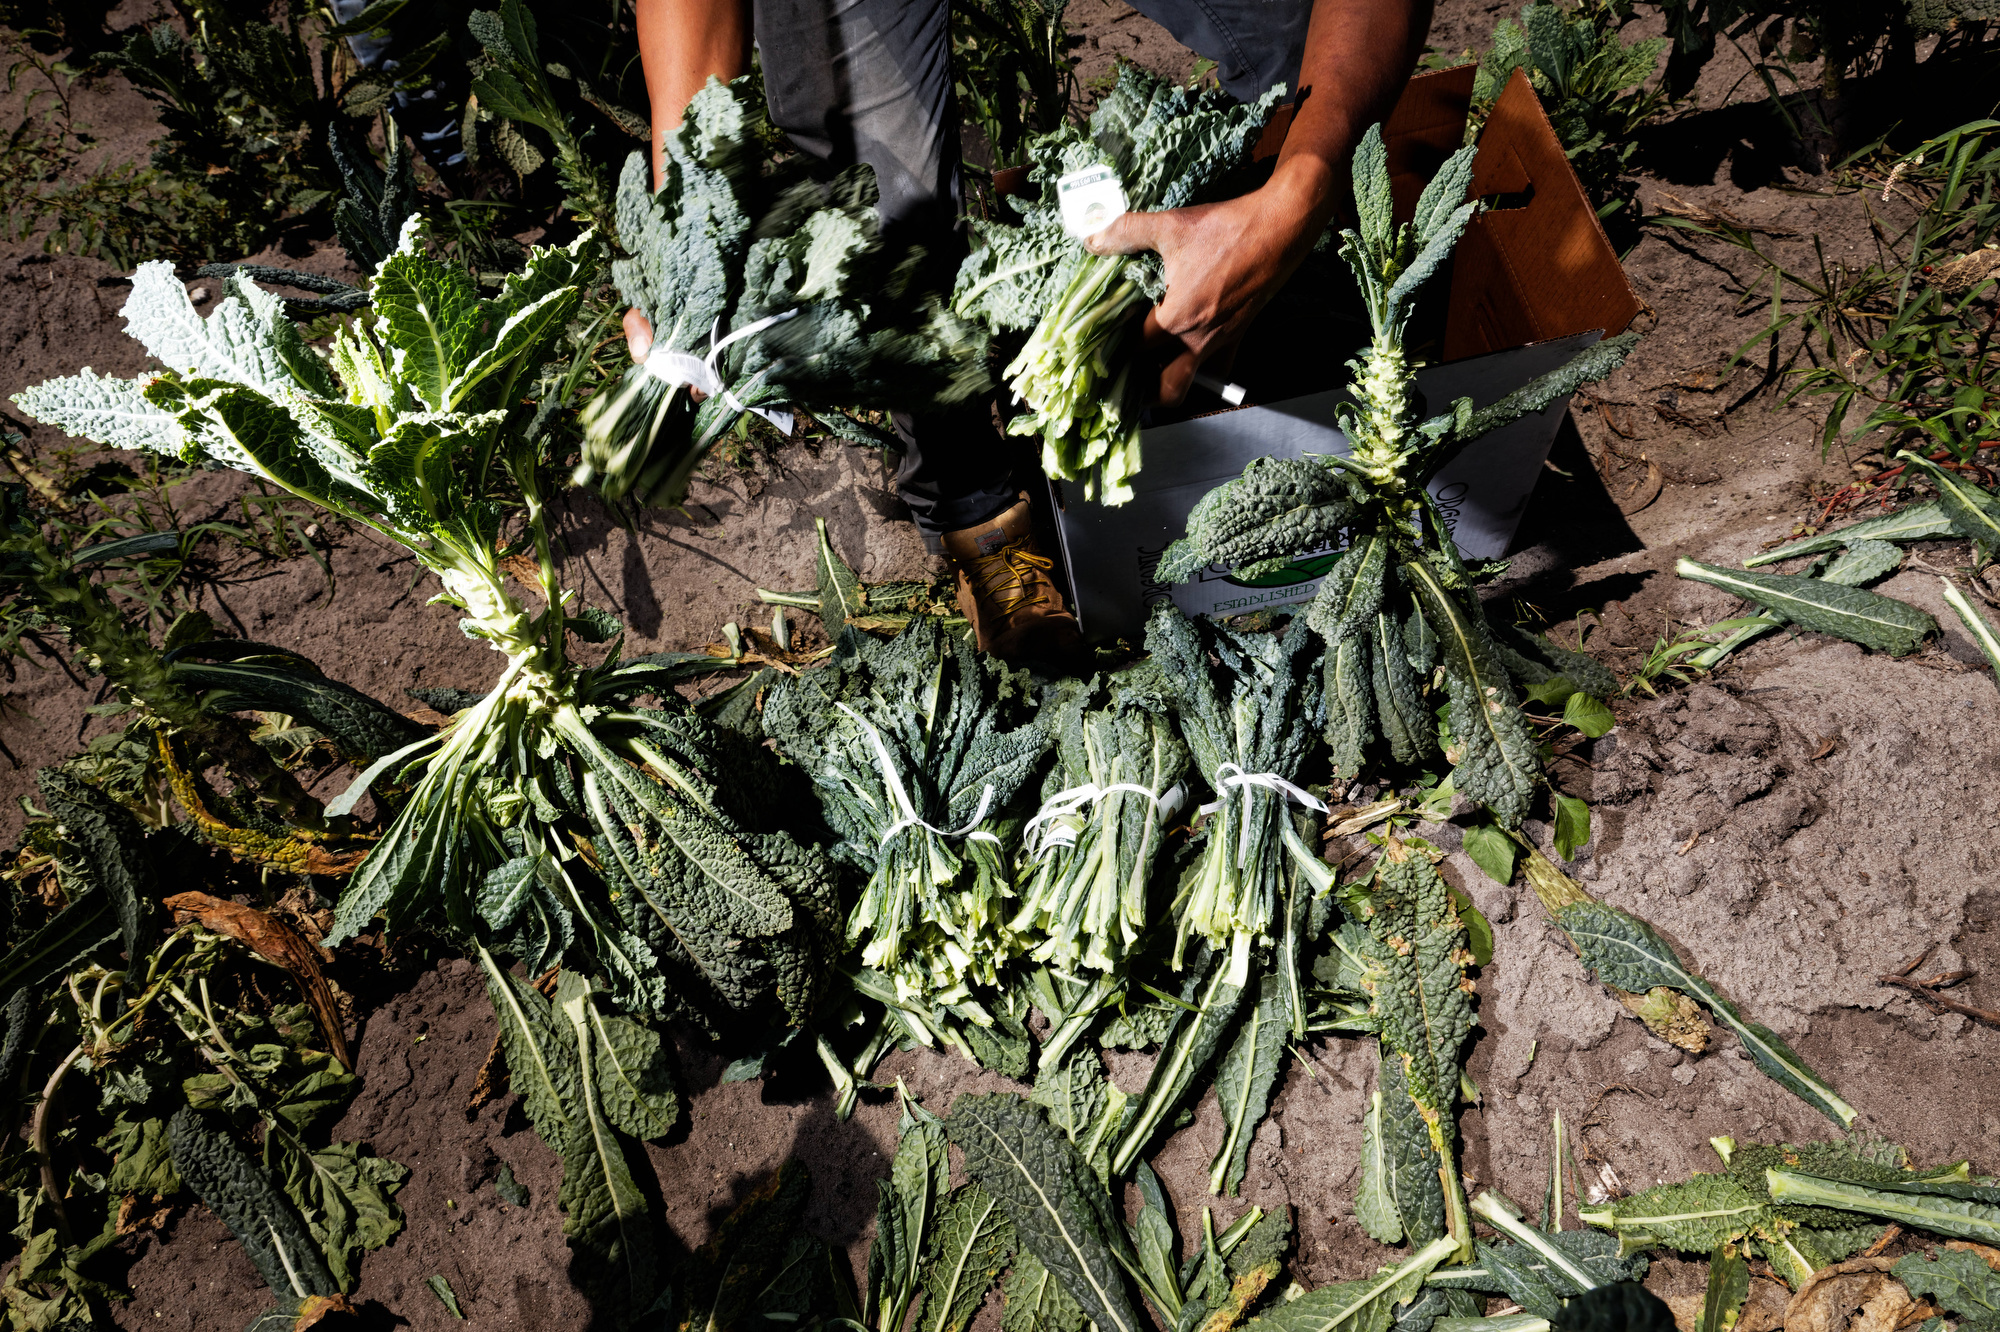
column 1671, row 1016
column 491, row 1082
column 278, row 943
column 136, row 1214
column 1989, row 1254
column 1855, row 1296
column 317, row 1308
column 1643, row 491
column 1964, row 274
column 1764, row 1311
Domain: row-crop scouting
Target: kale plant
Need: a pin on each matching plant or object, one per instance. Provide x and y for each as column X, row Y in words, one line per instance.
column 1591, row 82
column 247, row 123
column 1400, row 601
column 555, row 820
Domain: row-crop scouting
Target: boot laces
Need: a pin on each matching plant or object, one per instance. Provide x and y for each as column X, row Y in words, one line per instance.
column 1006, row 577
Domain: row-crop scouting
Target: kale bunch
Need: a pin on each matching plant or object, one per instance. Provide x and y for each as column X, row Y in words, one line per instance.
column 1250, row 720
column 1171, row 146
column 919, row 747
column 764, row 287
column 1088, row 853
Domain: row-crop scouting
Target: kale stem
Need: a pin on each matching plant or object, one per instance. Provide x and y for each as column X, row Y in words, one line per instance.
column 38, row 1141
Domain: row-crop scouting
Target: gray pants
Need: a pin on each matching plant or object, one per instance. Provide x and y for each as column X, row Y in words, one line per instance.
column 870, row 81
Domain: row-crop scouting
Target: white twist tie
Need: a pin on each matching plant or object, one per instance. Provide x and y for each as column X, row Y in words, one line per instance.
column 909, row 817
column 1063, row 804
column 1231, row 774
column 678, row 367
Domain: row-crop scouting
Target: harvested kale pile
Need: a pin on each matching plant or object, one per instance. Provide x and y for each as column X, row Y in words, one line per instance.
column 764, row 288
column 1079, row 372
column 919, row 747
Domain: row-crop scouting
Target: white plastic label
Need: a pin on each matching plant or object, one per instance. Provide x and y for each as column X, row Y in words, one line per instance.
column 1092, row 199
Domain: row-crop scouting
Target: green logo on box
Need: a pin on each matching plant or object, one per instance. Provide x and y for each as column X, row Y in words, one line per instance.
column 1299, row 571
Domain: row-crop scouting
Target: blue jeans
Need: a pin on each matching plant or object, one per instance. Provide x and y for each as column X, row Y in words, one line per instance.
column 870, row 81
column 428, row 117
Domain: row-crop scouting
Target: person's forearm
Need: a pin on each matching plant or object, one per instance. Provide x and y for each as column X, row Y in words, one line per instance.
column 682, row 44
column 1358, row 56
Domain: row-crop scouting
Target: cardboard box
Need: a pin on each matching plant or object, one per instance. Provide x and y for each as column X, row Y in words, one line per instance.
column 1533, row 282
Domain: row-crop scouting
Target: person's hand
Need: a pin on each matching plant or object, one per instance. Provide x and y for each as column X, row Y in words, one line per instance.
column 638, row 334
column 1224, row 261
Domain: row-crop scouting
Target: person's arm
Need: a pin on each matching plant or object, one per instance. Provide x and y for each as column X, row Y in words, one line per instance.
column 1225, row 260
column 682, row 44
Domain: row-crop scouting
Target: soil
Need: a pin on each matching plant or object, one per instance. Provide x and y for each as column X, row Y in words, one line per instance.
column 1804, row 820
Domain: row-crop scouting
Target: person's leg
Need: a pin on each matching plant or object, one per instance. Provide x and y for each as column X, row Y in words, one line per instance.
column 1254, row 43
column 870, row 81
column 427, row 116
column 967, row 475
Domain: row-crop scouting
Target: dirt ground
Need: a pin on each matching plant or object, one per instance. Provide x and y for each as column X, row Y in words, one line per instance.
column 1808, row 818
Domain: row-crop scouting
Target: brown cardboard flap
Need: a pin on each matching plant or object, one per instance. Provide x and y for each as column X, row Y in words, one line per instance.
column 1426, row 127
column 1535, row 263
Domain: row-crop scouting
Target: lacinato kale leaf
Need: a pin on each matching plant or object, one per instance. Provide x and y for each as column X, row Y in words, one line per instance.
column 1625, row 952
column 1414, row 974
column 1059, row 1210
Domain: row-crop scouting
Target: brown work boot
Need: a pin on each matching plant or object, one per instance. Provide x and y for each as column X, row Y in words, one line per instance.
column 1005, row 589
